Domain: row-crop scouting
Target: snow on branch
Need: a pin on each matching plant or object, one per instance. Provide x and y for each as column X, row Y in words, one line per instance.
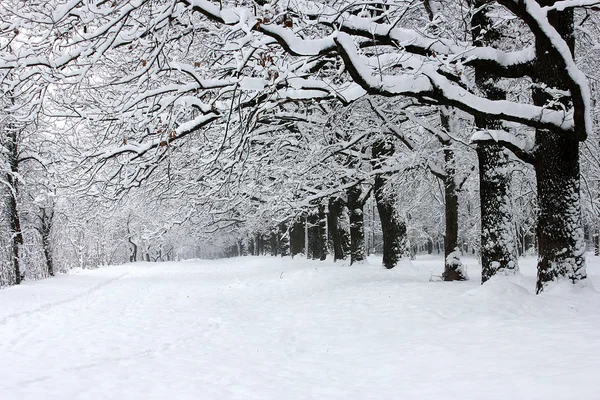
column 566, row 4
column 507, row 64
column 521, row 146
column 536, row 18
column 428, row 85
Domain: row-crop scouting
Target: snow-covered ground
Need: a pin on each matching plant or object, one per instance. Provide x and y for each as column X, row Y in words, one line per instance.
column 272, row 328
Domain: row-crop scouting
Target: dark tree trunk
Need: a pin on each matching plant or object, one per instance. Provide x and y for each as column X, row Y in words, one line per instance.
column 12, row 206
column 312, row 222
column 559, row 229
column 274, row 239
column 283, row 239
column 257, row 244
column 134, row 247
column 297, row 242
column 317, row 234
column 497, row 236
column 251, row 246
column 560, row 235
column 393, row 227
column 322, row 233
column 497, row 239
column 357, row 225
column 453, row 267
column 338, row 228
column 134, row 250
column 46, row 229
column 240, row 247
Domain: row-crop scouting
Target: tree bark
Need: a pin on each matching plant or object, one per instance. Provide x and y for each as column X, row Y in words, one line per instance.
column 338, row 228
column 560, row 235
column 498, row 254
column 395, row 243
column 46, row 229
column 322, row 233
column 274, row 242
column 12, row 206
column 357, row 225
column 559, row 230
column 283, row 239
column 497, row 235
column 312, row 227
column 297, row 242
column 453, row 267
column 317, row 234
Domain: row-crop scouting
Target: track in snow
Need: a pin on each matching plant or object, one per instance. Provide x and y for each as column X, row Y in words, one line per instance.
column 264, row 328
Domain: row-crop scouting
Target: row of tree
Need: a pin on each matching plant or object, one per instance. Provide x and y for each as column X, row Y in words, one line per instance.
column 239, row 115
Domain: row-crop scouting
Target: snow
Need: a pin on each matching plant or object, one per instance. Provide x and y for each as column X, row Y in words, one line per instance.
column 539, row 16
column 272, row 328
column 521, row 142
column 427, row 81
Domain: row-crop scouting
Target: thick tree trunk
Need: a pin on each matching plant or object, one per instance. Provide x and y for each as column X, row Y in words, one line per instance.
column 453, row 267
column 297, row 242
column 395, row 244
column 338, row 224
column 498, row 254
column 559, row 230
column 317, row 234
column 357, row 225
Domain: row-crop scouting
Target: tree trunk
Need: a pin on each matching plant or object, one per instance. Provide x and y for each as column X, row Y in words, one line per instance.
column 312, row 227
column 453, row 267
column 12, row 206
column 497, row 235
column 338, row 228
column 317, row 234
column 251, row 246
column 46, row 230
column 322, row 233
column 560, row 235
column 274, row 239
column 357, row 226
column 497, row 238
column 559, row 230
column 392, row 226
column 283, row 239
column 297, row 238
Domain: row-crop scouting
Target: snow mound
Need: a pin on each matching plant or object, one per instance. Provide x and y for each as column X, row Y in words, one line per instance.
column 502, row 286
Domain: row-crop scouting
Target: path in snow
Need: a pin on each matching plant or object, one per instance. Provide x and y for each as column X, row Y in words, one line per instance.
column 265, row 328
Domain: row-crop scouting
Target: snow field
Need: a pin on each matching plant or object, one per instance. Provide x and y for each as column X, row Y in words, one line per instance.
column 272, row 328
